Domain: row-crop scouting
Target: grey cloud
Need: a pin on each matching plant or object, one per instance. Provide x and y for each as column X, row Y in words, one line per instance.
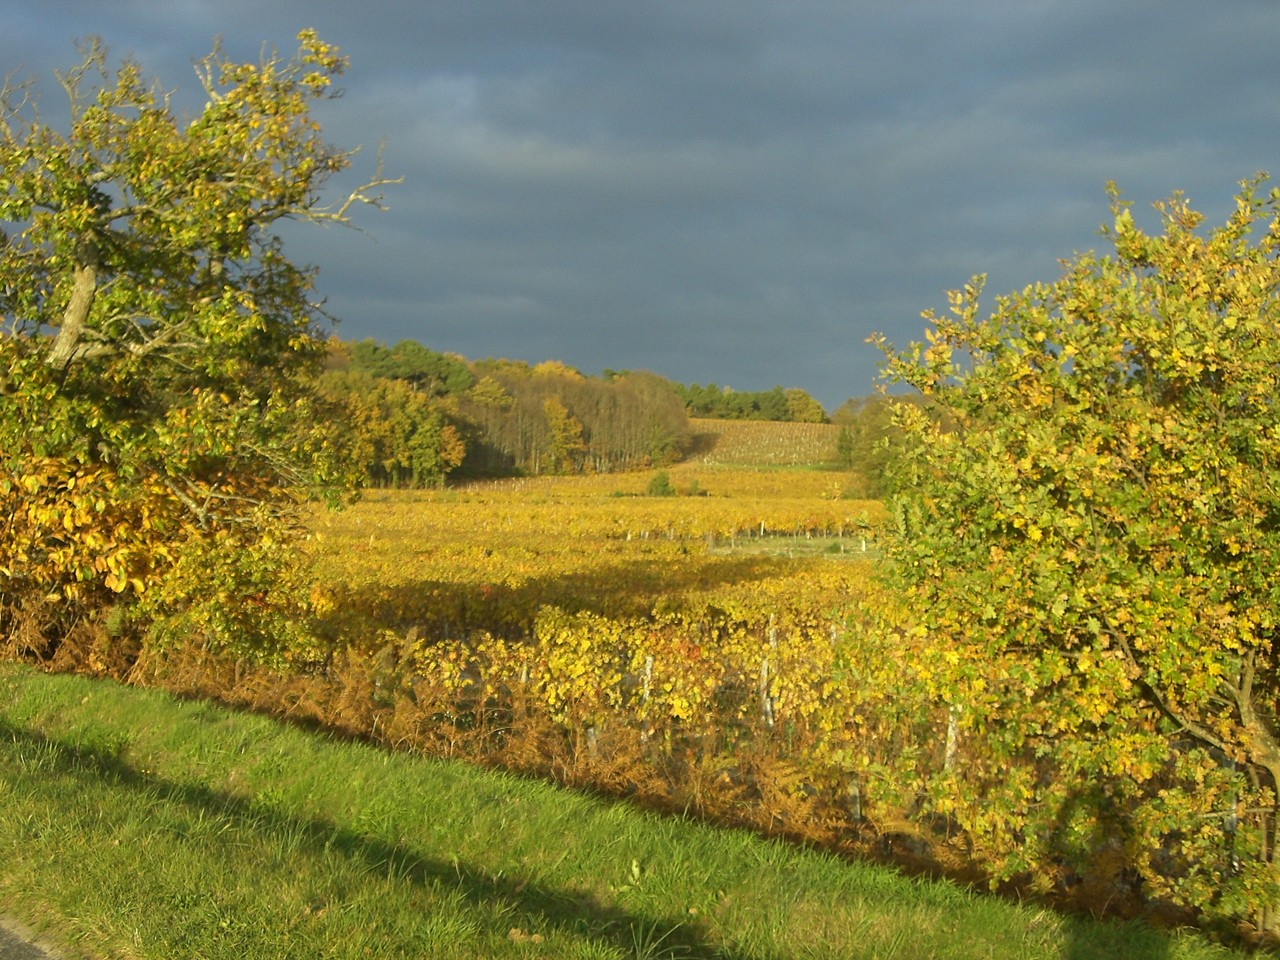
column 730, row 192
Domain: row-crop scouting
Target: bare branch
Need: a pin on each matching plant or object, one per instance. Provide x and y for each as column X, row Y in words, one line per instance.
column 15, row 98
column 205, row 73
column 201, row 515
column 359, row 195
column 94, row 59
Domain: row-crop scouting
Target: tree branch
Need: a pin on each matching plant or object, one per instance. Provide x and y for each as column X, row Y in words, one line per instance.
column 65, row 348
column 1197, row 730
column 359, row 195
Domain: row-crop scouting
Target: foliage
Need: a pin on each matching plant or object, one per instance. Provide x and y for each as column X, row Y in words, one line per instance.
column 565, row 447
column 398, row 436
column 1092, row 555
column 845, row 446
column 437, row 373
column 660, row 485
column 869, row 438
column 726, row 403
column 609, row 616
column 156, row 340
column 497, row 552
column 802, row 408
column 513, row 418
column 550, row 418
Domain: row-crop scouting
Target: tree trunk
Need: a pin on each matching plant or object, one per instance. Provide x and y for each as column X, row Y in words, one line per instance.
column 75, row 317
column 1264, row 752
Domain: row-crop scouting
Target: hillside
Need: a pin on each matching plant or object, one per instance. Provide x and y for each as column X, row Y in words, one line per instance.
column 762, row 443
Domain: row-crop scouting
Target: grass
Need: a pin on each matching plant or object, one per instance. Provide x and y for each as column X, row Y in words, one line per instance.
column 134, row 824
column 853, row 547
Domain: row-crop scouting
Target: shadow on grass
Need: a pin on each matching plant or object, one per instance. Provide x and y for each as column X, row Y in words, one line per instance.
column 574, row 912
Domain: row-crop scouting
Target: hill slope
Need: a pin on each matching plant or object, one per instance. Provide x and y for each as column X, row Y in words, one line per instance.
column 752, row 443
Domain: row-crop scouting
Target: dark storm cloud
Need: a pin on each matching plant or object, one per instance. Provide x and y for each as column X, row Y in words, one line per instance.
column 738, row 192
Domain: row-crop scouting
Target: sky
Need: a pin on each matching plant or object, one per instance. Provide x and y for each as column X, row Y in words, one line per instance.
column 736, row 192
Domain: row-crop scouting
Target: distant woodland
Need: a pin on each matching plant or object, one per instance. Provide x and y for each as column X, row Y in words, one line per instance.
column 416, row 417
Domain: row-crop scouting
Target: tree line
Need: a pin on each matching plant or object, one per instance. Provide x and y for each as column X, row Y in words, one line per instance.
column 413, row 416
column 725, row 403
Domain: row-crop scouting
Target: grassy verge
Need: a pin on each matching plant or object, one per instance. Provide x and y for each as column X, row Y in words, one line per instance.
column 792, row 547
column 133, row 824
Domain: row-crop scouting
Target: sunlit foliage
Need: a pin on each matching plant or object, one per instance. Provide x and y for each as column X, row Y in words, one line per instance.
column 1092, row 547
column 622, row 618
column 157, row 424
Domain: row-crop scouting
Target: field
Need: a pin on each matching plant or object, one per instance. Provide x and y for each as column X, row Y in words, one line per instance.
column 679, row 648
column 139, row 825
column 491, row 554
column 720, row 654
column 763, row 443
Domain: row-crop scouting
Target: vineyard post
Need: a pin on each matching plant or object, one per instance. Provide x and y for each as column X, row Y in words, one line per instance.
column 766, row 701
column 646, row 683
column 949, row 748
column 766, row 706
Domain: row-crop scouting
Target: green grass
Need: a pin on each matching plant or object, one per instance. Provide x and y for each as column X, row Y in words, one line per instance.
column 136, row 825
column 792, row 547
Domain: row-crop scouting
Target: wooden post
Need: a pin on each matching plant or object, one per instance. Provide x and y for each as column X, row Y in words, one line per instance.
column 766, row 701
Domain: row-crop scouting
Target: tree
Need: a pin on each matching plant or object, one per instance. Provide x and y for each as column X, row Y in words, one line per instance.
column 869, row 438
column 730, row 404
column 436, row 373
column 397, row 435
column 772, row 405
column 522, row 422
column 1092, row 552
column 660, row 485
column 158, row 422
column 845, row 446
column 802, row 408
column 565, row 446
column 557, row 370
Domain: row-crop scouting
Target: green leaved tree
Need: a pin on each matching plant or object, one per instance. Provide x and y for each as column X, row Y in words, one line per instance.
column 157, row 423
column 1091, row 547
column 399, row 436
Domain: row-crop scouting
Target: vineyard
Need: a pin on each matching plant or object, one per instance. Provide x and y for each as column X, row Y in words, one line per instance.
column 726, row 651
column 489, row 557
column 574, row 626
column 763, row 443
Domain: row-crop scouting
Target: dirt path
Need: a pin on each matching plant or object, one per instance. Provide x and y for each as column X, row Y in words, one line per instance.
column 17, row 942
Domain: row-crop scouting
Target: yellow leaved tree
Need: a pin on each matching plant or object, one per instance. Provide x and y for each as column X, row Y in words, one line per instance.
column 1091, row 547
column 157, row 425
